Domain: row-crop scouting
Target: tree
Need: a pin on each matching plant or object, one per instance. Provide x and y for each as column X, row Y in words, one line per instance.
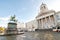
column 2, row 29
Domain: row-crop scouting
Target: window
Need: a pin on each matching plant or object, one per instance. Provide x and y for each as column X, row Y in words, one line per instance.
column 58, row 17
column 44, row 7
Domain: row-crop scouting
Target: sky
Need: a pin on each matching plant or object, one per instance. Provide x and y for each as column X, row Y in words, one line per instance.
column 25, row 10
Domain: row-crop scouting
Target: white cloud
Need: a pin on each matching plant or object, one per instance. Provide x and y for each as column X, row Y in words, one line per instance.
column 4, row 21
column 5, row 18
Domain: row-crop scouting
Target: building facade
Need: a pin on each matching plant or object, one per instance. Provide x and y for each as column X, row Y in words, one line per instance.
column 20, row 26
column 47, row 18
column 31, row 26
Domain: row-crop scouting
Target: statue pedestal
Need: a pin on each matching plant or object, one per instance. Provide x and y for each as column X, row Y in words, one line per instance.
column 12, row 28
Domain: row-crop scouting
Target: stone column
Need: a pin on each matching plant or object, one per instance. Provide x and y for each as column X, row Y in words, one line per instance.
column 42, row 23
column 55, row 22
column 45, row 19
column 49, row 19
column 49, row 22
column 39, row 24
column 45, row 23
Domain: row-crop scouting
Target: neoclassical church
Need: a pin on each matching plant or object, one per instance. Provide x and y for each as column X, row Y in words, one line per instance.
column 45, row 19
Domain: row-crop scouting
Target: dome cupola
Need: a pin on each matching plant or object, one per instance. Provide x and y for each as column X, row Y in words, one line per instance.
column 43, row 8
